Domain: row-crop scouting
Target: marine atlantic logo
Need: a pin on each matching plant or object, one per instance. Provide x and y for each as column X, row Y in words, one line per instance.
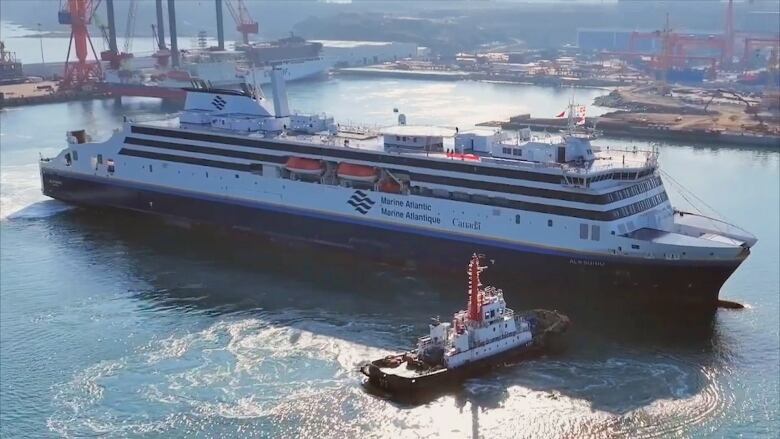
column 360, row 201
column 218, row 102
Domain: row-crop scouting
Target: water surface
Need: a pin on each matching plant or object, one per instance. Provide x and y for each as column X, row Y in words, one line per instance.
column 117, row 325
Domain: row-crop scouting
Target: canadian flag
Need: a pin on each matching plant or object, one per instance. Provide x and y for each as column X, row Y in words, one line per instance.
column 561, row 114
column 581, row 115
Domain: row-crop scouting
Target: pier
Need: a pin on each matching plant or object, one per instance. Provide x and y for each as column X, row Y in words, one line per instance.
column 45, row 92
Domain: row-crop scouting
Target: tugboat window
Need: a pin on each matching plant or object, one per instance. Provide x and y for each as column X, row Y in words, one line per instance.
column 549, row 223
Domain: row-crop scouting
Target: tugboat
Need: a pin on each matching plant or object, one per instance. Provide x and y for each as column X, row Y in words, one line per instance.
column 478, row 339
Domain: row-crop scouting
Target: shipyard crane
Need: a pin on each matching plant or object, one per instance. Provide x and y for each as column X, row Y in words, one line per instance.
column 130, row 26
column 112, row 55
column 79, row 71
column 244, row 22
column 756, row 43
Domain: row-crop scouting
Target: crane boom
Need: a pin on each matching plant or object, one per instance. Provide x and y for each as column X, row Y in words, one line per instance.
column 244, row 22
column 130, row 26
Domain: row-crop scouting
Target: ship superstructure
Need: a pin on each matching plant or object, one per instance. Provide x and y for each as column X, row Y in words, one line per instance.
column 544, row 205
column 487, row 328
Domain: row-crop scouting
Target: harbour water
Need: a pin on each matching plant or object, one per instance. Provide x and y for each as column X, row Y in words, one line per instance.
column 120, row 325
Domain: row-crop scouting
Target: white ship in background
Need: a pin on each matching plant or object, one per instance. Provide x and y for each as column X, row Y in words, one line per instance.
column 548, row 209
column 250, row 65
column 296, row 57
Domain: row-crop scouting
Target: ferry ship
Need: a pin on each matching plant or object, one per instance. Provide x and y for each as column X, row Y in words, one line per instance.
column 220, row 69
column 547, row 208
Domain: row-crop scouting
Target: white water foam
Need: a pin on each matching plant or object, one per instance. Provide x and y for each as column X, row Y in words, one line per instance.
column 294, row 373
column 235, row 369
column 21, row 197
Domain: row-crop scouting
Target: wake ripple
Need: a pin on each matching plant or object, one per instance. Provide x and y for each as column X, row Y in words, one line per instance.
column 292, row 374
column 21, row 197
column 231, row 370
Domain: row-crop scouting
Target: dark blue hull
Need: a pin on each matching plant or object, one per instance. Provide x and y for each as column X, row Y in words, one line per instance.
column 665, row 281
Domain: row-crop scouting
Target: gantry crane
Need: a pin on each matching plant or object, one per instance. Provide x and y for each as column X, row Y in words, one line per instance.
column 130, row 26
column 114, row 57
column 244, row 22
column 81, row 71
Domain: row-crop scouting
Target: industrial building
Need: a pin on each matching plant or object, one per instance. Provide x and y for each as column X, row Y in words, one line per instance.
column 361, row 53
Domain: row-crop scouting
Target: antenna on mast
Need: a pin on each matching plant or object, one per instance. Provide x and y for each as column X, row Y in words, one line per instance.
column 475, row 295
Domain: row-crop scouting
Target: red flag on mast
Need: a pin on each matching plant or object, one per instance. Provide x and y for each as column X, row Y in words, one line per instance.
column 561, row 114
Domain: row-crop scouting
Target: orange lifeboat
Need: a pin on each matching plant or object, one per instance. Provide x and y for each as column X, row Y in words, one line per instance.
column 389, row 185
column 349, row 171
column 179, row 75
column 300, row 165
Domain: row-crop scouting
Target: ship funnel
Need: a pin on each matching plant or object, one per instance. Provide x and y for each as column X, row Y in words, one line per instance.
column 281, row 107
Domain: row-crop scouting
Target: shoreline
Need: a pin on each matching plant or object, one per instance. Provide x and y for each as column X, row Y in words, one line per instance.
column 618, row 129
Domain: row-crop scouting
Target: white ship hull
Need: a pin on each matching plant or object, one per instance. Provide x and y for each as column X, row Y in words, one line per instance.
column 223, row 75
column 293, row 70
column 395, row 226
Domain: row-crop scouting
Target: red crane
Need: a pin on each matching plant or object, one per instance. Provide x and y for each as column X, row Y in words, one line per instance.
column 244, row 22
column 81, row 71
column 114, row 57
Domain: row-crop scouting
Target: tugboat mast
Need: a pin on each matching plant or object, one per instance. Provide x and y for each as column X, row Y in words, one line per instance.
column 475, row 297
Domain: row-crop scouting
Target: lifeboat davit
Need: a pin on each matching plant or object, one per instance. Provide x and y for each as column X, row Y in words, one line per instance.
column 301, row 165
column 353, row 172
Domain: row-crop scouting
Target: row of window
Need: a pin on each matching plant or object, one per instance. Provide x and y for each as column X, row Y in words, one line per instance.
column 634, row 190
column 351, row 154
column 512, row 151
column 641, row 206
column 609, row 215
column 582, row 181
column 460, row 196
